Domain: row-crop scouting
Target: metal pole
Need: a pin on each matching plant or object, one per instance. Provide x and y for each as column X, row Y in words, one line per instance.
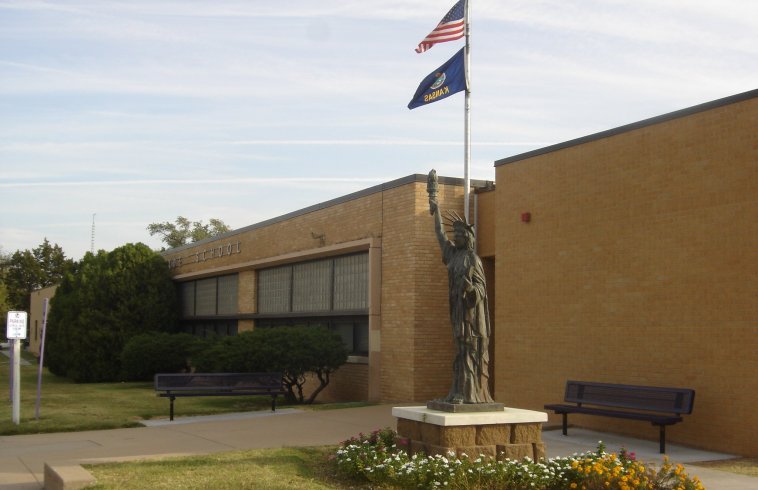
column 41, row 358
column 16, row 381
column 10, row 370
column 467, row 120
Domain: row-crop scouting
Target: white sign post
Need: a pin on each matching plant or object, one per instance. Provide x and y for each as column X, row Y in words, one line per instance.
column 16, row 331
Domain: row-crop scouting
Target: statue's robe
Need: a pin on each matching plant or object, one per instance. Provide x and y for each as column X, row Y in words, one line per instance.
column 470, row 320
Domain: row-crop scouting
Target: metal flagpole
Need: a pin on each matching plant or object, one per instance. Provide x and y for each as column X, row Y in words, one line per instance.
column 467, row 120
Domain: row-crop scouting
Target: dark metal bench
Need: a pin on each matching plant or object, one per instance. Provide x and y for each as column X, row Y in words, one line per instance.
column 640, row 401
column 218, row 384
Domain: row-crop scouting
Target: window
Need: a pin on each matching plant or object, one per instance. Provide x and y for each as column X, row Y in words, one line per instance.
column 354, row 334
column 331, row 292
column 211, row 328
column 351, row 282
column 274, row 290
column 187, row 298
column 205, row 297
column 227, row 292
column 312, row 286
column 213, row 296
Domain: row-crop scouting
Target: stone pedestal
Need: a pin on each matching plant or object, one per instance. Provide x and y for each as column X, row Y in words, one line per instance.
column 510, row 433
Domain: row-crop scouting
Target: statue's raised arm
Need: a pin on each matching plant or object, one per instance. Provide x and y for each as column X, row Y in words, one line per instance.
column 432, row 187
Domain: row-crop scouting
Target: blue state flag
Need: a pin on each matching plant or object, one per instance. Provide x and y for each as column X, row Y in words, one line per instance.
column 445, row 81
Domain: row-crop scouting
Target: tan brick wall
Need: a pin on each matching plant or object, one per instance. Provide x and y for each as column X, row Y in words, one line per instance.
column 398, row 312
column 36, row 318
column 348, row 383
column 486, row 223
column 416, row 340
column 414, row 358
column 639, row 266
column 344, row 222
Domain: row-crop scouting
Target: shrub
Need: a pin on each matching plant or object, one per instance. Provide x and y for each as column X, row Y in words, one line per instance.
column 158, row 352
column 298, row 352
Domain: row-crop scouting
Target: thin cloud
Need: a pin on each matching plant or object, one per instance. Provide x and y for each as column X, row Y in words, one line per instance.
column 250, row 180
column 381, row 143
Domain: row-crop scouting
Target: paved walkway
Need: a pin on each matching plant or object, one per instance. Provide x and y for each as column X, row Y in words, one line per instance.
column 22, row 458
column 7, row 353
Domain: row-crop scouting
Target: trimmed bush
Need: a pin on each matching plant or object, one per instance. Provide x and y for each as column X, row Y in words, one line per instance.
column 298, row 352
column 158, row 352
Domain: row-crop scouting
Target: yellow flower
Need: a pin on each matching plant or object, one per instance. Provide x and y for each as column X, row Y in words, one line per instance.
column 573, row 485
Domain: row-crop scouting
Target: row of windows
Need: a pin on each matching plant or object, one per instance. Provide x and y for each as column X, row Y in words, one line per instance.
column 211, row 328
column 333, row 284
column 353, row 330
column 325, row 288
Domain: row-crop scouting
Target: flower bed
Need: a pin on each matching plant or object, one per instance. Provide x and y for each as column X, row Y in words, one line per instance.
column 382, row 458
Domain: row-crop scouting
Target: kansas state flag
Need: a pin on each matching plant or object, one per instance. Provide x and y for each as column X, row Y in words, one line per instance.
column 445, row 81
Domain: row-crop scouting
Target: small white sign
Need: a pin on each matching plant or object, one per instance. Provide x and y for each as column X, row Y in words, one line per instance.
column 16, row 325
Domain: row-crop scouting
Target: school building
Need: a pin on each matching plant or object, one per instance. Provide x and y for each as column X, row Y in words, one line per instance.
column 628, row 256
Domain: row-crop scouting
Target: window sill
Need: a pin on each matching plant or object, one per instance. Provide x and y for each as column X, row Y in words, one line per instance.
column 357, row 359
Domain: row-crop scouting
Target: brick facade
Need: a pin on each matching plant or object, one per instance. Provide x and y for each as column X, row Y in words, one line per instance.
column 639, row 266
column 410, row 351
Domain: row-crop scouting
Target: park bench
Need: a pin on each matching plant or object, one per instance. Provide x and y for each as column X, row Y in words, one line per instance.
column 660, row 406
column 172, row 385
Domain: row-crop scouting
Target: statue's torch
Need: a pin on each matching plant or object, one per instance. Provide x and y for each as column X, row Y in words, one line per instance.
column 432, row 187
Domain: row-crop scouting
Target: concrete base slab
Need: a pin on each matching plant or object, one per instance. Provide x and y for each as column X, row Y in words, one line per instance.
column 506, row 416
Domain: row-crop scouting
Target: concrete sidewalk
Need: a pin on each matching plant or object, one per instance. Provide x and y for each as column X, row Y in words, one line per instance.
column 22, row 458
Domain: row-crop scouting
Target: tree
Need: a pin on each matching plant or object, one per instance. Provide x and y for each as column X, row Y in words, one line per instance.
column 301, row 353
column 28, row 270
column 112, row 297
column 182, row 231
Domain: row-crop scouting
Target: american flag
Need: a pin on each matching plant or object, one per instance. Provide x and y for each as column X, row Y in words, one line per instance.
column 450, row 28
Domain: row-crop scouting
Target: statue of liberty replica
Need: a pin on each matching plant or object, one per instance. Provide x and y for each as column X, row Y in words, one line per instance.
column 469, row 315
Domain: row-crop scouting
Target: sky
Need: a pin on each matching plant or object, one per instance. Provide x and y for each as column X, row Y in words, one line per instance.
column 126, row 113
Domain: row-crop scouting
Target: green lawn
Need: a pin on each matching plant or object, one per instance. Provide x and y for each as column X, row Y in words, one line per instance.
column 286, row 468
column 68, row 406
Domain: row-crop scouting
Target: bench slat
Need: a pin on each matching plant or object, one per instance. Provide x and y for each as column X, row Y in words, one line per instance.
column 659, row 399
column 214, row 381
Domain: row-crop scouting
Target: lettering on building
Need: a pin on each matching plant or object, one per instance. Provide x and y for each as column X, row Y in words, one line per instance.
column 215, row 252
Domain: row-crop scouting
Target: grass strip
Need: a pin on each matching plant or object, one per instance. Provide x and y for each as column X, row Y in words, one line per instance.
column 285, row 468
column 742, row 466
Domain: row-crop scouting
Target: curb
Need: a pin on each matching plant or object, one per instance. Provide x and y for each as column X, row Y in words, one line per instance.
column 67, row 476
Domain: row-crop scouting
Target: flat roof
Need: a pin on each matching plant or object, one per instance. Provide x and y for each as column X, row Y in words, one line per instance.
column 413, row 178
column 630, row 127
